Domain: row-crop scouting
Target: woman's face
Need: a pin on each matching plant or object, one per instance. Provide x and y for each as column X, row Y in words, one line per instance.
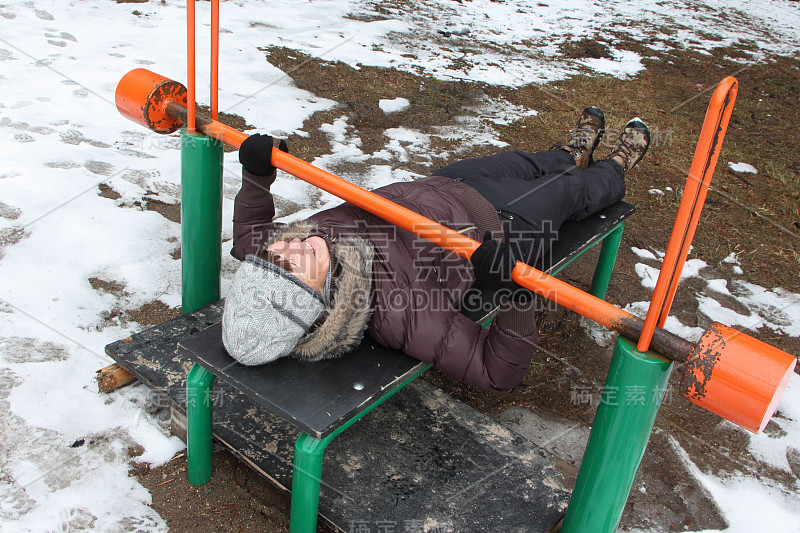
column 310, row 259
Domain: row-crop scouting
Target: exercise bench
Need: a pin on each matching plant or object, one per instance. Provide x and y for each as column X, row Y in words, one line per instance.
column 428, row 455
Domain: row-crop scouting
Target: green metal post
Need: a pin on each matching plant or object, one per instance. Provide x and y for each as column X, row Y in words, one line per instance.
column 634, row 388
column 307, row 472
column 306, row 480
column 605, row 263
column 201, row 220
column 201, row 257
column 198, row 424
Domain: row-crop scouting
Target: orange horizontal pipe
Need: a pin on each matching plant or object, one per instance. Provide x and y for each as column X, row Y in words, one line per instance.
column 738, row 394
column 531, row 278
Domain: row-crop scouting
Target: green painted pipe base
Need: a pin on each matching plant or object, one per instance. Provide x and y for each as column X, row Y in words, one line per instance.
column 605, row 263
column 632, row 395
column 306, row 480
column 201, row 219
column 199, row 417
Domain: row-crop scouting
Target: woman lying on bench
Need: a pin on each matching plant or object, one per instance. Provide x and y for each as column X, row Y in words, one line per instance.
column 312, row 289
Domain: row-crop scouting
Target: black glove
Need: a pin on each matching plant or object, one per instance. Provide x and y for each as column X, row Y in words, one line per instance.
column 255, row 155
column 493, row 263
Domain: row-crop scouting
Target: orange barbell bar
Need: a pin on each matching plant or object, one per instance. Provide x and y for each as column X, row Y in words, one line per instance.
column 729, row 369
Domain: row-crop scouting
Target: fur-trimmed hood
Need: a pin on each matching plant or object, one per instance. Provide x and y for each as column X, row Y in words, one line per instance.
column 343, row 323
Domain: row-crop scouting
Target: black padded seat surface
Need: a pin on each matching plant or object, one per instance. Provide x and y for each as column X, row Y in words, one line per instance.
column 316, row 397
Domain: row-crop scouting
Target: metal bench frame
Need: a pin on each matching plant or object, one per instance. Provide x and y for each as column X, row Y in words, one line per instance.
column 309, row 450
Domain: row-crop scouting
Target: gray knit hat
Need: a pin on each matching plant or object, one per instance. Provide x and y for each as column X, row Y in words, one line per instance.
column 267, row 312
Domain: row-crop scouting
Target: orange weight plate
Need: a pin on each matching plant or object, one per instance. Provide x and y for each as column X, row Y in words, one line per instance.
column 737, row 377
column 142, row 96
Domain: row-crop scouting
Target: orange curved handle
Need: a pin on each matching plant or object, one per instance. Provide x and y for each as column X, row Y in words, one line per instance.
column 694, row 196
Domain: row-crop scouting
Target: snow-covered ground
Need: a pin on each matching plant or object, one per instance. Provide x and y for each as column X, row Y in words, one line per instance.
column 65, row 450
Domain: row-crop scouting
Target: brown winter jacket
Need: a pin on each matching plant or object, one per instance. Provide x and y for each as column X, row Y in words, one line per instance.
column 416, row 287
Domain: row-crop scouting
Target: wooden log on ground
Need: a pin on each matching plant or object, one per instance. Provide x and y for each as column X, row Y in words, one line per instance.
column 113, row 377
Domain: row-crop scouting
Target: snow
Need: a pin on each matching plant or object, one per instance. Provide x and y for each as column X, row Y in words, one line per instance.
column 644, row 254
column 731, row 258
column 65, row 463
column 777, row 308
column 394, row 105
column 649, row 274
column 747, row 504
column 742, row 167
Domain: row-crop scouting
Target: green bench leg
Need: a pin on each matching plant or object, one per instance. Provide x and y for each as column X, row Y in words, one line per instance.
column 307, row 472
column 306, row 480
column 198, row 424
column 605, row 263
column 632, row 395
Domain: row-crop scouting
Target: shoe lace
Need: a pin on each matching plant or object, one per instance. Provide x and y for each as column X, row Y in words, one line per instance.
column 625, row 150
column 582, row 135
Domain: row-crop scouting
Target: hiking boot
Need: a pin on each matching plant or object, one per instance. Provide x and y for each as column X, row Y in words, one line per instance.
column 632, row 144
column 586, row 136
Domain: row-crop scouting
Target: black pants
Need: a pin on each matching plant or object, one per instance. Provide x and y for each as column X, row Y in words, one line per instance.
column 535, row 193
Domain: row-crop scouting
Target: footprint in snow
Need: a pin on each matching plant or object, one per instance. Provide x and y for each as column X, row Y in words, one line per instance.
column 54, row 42
column 24, row 126
column 7, row 15
column 42, row 130
column 27, row 350
column 75, row 138
column 9, row 212
column 63, row 35
column 62, row 164
column 23, row 138
column 44, row 15
column 99, row 167
column 5, row 54
column 77, row 519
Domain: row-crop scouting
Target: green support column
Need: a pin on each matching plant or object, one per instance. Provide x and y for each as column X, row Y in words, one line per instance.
column 306, row 480
column 201, row 257
column 201, row 220
column 605, row 263
column 634, row 388
column 199, row 404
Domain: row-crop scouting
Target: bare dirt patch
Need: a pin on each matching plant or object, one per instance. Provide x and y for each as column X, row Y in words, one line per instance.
column 236, row 499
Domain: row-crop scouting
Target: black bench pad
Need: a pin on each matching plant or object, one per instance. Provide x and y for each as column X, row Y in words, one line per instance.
column 316, row 397
column 421, row 458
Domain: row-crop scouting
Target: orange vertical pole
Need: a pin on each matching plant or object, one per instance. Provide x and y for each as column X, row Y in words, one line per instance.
column 190, row 53
column 214, row 59
column 694, row 196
